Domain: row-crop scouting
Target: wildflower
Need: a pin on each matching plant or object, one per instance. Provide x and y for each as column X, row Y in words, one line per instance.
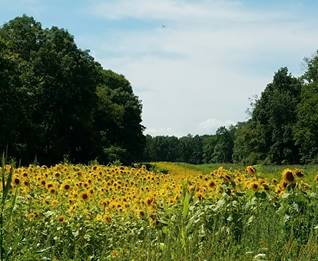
column 99, row 217
column 153, row 219
column 84, row 196
column 299, row 173
column 31, row 216
column 250, row 170
column 149, row 201
column 265, row 186
column 54, row 202
column 200, row 196
column 141, row 213
column 255, row 186
column 288, row 175
column 16, row 181
column 114, row 253
column 61, row 219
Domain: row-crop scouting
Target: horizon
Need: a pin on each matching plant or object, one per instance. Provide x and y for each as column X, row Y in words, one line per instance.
column 194, row 65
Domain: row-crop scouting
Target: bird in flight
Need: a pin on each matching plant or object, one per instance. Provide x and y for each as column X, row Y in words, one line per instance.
column 163, row 26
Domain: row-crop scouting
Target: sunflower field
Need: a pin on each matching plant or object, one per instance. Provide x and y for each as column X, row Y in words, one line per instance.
column 96, row 212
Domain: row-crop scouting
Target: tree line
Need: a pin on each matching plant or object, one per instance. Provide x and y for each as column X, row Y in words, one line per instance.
column 57, row 102
column 282, row 128
column 192, row 149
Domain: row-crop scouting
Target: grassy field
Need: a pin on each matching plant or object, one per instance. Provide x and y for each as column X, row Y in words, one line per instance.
column 174, row 212
column 266, row 171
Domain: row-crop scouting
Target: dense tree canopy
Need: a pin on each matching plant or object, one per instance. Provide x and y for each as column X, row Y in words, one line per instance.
column 272, row 121
column 57, row 102
column 117, row 119
column 192, row 149
column 223, row 149
column 306, row 129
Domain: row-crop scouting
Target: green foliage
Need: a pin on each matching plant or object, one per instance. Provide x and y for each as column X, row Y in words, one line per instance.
column 192, row 149
column 311, row 75
column 223, row 149
column 118, row 117
column 208, row 145
column 306, row 129
column 245, row 142
column 237, row 226
column 160, row 147
column 268, row 135
column 282, row 129
column 6, row 208
column 275, row 112
column 165, row 148
column 283, row 125
column 56, row 100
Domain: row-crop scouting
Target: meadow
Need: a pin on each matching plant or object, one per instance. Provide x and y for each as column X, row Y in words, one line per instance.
column 174, row 211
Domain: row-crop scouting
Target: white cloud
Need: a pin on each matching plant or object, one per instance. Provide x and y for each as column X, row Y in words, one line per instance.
column 211, row 57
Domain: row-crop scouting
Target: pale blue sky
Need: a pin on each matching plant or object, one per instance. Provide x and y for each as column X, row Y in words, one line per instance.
column 198, row 71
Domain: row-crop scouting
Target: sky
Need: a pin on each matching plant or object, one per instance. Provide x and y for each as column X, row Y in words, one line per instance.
column 194, row 64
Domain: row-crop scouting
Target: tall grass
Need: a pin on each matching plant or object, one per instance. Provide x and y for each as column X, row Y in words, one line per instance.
column 5, row 214
column 267, row 171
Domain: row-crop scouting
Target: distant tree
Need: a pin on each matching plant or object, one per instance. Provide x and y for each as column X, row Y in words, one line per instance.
column 306, row 129
column 311, row 74
column 208, row 145
column 248, row 143
column 191, row 148
column 223, row 149
column 275, row 115
column 170, row 148
column 197, row 152
column 162, row 148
